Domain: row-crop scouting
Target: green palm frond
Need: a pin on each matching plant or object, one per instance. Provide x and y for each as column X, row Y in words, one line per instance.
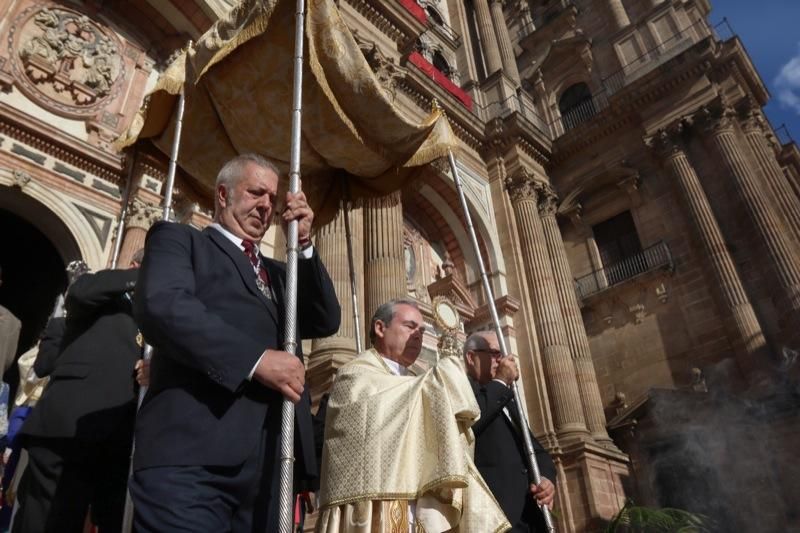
column 635, row 519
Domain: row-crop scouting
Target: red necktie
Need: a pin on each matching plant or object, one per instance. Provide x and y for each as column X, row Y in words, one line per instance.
column 255, row 260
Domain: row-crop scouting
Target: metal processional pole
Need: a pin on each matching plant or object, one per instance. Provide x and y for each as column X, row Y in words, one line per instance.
column 351, row 266
column 126, row 200
column 127, row 517
column 286, row 495
column 533, row 465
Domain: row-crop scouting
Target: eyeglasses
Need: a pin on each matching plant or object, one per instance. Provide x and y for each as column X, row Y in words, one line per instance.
column 494, row 354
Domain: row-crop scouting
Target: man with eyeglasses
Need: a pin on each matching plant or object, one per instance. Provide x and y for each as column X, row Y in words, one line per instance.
column 499, row 448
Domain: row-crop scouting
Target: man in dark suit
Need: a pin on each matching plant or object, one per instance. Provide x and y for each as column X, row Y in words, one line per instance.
column 499, row 447
column 78, row 436
column 207, row 434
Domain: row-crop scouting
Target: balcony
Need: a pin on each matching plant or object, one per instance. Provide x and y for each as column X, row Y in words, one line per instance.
column 652, row 259
column 636, row 69
column 521, row 104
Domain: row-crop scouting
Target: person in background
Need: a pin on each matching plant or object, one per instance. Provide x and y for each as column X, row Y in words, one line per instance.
column 500, row 453
column 79, row 435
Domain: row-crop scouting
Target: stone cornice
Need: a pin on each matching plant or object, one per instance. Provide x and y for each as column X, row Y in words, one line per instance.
column 52, row 141
column 513, row 130
column 390, row 18
column 467, row 126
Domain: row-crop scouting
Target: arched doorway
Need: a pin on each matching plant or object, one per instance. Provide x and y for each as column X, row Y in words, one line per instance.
column 35, row 246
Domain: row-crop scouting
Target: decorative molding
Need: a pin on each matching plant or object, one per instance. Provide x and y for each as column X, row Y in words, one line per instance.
column 548, row 200
column 523, row 186
column 28, row 154
column 100, row 224
column 21, row 178
column 141, row 214
column 379, row 20
column 384, row 67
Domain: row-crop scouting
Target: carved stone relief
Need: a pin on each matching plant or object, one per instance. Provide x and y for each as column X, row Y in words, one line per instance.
column 65, row 60
column 388, row 73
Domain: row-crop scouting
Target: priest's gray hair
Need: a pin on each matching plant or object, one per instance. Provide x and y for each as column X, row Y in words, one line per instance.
column 385, row 313
column 231, row 171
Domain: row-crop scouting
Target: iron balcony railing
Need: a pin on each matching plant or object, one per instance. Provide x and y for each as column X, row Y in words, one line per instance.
column 446, row 31
column 637, row 68
column 656, row 257
column 522, row 104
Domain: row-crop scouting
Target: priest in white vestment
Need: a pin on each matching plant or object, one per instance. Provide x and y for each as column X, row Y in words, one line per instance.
column 398, row 446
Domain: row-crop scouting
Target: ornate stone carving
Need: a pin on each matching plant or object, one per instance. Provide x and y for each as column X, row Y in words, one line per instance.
column 715, row 119
column 753, row 120
column 66, row 58
column 21, row 178
column 669, row 141
column 388, row 73
column 548, row 200
column 142, row 215
column 638, row 311
column 522, row 186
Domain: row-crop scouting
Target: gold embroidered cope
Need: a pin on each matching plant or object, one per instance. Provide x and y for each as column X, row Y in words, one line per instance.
column 395, row 438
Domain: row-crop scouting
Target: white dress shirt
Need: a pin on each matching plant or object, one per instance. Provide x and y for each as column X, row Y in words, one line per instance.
column 305, row 254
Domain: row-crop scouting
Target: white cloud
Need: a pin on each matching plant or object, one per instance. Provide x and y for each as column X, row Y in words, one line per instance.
column 788, row 84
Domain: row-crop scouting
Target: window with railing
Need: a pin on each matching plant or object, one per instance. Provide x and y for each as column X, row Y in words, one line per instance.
column 576, row 105
column 437, row 23
column 616, row 240
column 653, row 258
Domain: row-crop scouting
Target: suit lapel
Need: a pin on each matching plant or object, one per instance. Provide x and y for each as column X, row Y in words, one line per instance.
column 243, row 266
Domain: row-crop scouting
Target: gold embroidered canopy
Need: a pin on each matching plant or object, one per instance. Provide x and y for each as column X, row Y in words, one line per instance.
column 238, row 86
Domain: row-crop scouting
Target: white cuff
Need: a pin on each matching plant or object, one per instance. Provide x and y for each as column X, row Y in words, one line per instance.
column 253, row 371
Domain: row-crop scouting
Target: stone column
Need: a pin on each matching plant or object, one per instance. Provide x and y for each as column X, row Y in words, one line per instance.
column 753, row 126
column 140, row 217
column 619, row 17
column 558, row 366
column 573, row 321
column 753, row 352
column 507, row 56
column 384, row 260
column 781, row 253
column 330, row 353
column 489, row 45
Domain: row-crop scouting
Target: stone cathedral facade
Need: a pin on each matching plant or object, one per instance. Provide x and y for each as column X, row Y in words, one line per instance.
column 638, row 215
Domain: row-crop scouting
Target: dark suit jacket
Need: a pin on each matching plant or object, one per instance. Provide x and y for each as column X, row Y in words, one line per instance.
column 198, row 304
column 501, row 458
column 50, row 346
column 92, row 393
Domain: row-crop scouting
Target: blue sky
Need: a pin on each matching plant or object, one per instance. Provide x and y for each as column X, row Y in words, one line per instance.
column 770, row 31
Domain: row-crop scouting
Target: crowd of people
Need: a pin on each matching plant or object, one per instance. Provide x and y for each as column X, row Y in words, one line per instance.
column 392, row 448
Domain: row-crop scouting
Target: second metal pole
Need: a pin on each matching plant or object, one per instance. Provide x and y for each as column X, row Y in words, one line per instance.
column 533, row 465
column 351, row 267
